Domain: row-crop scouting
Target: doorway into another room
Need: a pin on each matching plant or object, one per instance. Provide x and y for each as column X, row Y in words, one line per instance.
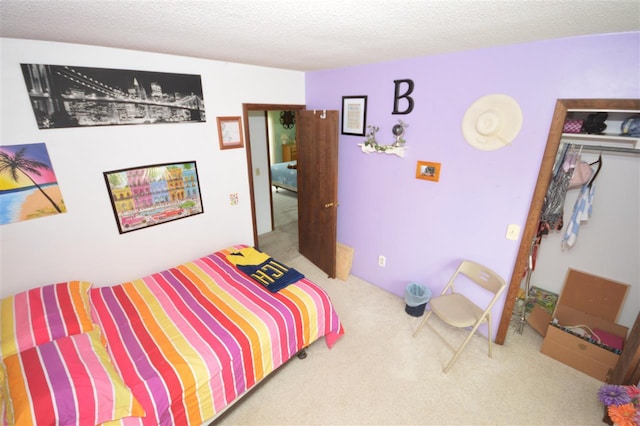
column 282, row 241
column 274, row 178
column 311, row 139
column 285, row 207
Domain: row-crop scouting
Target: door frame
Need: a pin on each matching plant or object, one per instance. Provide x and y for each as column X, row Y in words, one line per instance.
column 540, row 191
column 246, row 107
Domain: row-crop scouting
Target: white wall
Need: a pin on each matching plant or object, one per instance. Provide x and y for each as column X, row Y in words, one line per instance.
column 608, row 244
column 84, row 243
column 260, row 163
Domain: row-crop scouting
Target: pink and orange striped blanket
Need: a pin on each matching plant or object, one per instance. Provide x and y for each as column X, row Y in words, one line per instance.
column 190, row 340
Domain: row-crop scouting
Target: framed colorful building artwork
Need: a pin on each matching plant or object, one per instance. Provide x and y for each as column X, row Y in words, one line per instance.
column 151, row 195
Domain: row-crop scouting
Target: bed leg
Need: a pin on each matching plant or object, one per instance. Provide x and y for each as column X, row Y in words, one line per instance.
column 302, row 354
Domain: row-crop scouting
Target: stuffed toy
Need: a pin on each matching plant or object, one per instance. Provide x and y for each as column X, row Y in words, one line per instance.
column 631, row 127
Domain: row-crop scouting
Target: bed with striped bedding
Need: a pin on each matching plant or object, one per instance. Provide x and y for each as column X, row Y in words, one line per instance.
column 190, row 340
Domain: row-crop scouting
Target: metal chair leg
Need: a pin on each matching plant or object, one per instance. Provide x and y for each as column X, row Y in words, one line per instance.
column 458, row 352
column 489, row 337
column 422, row 323
column 464, row 344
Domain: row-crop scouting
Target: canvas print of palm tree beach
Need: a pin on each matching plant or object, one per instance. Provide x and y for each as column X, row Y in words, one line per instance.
column 28, row 185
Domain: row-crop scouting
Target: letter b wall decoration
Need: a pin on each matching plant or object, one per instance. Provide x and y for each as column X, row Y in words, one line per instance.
column 405, row 95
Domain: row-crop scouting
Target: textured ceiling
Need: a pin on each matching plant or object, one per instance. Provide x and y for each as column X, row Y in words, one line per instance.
column 311, row 35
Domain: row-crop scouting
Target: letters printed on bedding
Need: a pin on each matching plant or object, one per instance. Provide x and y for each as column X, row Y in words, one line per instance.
column 264, row 269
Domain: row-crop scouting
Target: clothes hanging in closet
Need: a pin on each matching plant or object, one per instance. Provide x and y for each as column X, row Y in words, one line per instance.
column 553, row 207
column 582, row 208
column 581, row 213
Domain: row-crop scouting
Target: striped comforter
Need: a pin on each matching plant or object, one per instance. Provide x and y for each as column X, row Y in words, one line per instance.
column 190, row 340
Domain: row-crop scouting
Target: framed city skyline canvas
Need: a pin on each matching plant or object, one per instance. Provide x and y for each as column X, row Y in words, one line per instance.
column 28, row 184
column 72, row 96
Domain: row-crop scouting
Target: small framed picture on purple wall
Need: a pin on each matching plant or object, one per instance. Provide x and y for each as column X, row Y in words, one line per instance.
column 354, row 115
column 428, row 171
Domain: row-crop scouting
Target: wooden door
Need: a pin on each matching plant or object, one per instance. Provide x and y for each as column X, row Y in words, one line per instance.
column 627, row 371
column 317, row 156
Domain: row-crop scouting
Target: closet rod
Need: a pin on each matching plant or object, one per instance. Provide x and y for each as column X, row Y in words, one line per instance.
column 607, row 148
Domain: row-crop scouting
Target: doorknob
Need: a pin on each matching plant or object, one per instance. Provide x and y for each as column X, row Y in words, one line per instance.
column 326, row 206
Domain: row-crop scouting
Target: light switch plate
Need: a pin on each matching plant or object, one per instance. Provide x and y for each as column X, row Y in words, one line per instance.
column 513, row 232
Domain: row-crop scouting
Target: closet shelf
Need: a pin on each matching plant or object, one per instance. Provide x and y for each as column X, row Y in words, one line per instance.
column 601, row 138
column 611, row 135
column 610, row 111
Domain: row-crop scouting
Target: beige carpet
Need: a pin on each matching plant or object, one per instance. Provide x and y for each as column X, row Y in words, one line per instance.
column 377, row 374
column 285, row 207
column 282, row 242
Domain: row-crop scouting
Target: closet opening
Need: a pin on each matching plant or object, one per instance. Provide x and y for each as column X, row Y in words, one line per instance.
column 562, row 109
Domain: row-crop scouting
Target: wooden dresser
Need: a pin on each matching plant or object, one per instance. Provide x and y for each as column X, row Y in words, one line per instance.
column 288, row 153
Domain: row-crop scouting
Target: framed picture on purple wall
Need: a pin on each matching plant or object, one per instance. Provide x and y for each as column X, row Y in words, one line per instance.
column 71, row 96
column 151, row 195
column 354, row 115
column 426, row 170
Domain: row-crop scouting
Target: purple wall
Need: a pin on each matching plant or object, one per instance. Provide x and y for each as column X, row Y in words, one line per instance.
column 426, row 228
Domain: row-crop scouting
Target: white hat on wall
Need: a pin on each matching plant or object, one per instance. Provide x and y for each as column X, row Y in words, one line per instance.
column 492, row 122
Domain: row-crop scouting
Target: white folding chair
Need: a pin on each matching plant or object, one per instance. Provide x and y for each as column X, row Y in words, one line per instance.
column 458, row 311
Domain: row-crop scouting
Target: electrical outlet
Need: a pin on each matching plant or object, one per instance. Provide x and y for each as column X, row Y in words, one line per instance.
column 382, row 261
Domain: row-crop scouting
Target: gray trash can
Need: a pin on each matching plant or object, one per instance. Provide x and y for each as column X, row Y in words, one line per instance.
column 416, row 297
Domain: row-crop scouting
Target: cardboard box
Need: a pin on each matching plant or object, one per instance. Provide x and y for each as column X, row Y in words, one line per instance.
column 592, row 301
column 539, row 319
column 344, row 259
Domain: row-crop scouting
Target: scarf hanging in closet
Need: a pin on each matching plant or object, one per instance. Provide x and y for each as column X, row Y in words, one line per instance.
column 553, row 207
column 581, row 213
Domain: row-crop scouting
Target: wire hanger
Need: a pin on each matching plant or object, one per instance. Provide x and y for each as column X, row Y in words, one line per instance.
column 599, row 163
